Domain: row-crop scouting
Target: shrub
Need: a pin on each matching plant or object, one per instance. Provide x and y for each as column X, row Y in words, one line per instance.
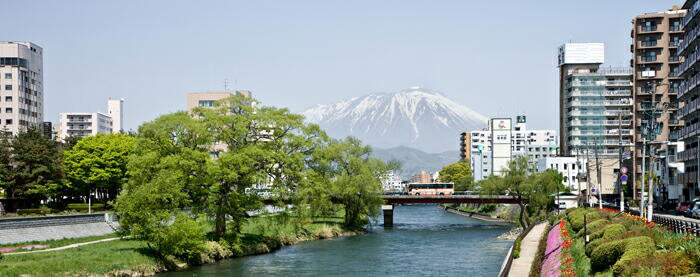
column 83, row 207
column 618, row 252
column 184, row 239
column 593, row 226
column 516, row 248
column 610, row 231
column 593, row 244
column 43, row 210
column 576, row 218
column 661, row 264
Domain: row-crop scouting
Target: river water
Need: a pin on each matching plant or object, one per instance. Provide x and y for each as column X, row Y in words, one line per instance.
column 425, row 241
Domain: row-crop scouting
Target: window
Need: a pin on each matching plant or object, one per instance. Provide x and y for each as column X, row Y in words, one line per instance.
column 8, row 87
column 573, row 166
column 206, row 103
column 8, row 110
column 649, row 26
column 8, row 98
column 648, row 87
column 8, row 121
column 649, row 56
column 649, row 41
column 8, row 75
column 675, row 26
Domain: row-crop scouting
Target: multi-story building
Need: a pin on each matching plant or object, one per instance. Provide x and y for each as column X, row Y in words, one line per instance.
column 479, row 146
column 84, row 124
column 421, row 178
column 115, row 109
column 392, row 182
column 89, row 124
column 688, row 99
column 595, row 102
column 47, row 129
column 572, row 168
column 21, row 86
column 207, row 99
column 655, row 63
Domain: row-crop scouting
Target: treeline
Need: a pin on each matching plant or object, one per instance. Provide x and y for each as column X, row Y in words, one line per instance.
column 35, row 167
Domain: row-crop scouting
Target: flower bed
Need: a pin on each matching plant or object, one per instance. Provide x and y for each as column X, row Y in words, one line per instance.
column 552, row 259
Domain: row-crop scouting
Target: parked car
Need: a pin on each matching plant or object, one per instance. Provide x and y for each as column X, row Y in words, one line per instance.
column 670, row 205
column 695, row 210
column 682, row 208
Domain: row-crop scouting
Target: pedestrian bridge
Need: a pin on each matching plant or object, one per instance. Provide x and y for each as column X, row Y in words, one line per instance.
column 398, row 199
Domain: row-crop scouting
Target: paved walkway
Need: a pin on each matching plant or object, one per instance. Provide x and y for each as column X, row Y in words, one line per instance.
column 528, row 250
column 63, row 247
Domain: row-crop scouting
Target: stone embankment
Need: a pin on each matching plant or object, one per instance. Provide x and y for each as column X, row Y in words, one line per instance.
column 18, row 230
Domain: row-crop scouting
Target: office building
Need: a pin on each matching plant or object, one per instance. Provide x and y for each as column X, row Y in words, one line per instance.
column 392, row 182
column 21, row 86
column 115, row 109
column 512, row 141
column 688, row 99
column 207, row 99
column 47, row 129
column 655, row 63
column 595, row 102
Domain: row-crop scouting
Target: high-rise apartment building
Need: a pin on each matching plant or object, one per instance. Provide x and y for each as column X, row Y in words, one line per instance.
column 655, row 63
column 689, row 99
column 207, row 99
column 21, row 86
column 421, row 178
column 595, row 102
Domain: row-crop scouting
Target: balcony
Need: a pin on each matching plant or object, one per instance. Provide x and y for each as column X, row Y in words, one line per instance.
column 618, row 83
column 650, row 28
column 584, row 104
column 649, row 43
column 648, row 59
column 617, row 112
column 624, row 102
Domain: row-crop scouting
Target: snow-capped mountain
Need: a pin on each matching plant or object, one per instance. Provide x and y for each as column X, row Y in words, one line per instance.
column 416, row 117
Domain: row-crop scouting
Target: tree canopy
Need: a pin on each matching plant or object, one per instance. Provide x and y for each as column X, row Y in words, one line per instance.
column 459, row 173
column 35, row 166
column 99, row 163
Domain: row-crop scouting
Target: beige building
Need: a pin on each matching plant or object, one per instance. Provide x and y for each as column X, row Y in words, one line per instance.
column 21, row 86
column 421, row 178
column 207, row 99
column 656, row 80
column 608, row 176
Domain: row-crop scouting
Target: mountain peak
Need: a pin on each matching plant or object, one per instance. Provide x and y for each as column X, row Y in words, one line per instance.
column 417, row 117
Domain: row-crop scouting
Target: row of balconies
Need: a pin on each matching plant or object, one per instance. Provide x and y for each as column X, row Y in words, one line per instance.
column 690, row 60
column 622, row 92
column 610, row 132
column 687, row 131
column 600, row 123
column 598, row 113
column 623, row 102
column 689, row 16
column 688, row 154
column 688, row 108
column 598, row 83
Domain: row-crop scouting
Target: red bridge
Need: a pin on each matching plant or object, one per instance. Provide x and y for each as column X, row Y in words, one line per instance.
column 392, row 200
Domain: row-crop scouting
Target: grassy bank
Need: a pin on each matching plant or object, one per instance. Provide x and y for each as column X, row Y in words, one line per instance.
column 56, row 243
column 125, row 257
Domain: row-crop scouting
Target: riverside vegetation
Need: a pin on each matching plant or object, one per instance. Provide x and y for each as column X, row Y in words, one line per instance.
column 622, row 245
column 188, row 182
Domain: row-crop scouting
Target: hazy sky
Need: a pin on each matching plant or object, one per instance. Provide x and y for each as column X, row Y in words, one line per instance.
column 496, row 57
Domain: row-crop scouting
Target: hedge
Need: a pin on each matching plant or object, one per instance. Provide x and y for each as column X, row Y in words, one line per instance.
column 577, row 218
column 593, row 226
column 83, row 207
column 610, row 231
column 618, row 252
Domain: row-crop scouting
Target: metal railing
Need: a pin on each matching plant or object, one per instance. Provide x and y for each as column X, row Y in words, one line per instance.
column 678, row 226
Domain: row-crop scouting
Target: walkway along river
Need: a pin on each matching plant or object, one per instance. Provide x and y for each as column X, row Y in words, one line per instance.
column 425, row 241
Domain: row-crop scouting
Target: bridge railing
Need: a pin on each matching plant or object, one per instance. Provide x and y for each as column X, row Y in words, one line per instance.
column 674, row 224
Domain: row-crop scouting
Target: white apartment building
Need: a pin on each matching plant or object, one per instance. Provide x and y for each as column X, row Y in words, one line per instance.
column 90, row 124
column 572, row 168
column 515, row 141
column 21, row 86
column 392, row 182
column 115, row 109
column 84, row 124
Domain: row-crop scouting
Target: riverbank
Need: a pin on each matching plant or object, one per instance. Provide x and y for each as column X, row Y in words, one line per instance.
column 128, row 257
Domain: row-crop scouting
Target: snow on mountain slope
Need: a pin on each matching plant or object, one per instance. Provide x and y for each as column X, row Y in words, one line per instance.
column 415, row 117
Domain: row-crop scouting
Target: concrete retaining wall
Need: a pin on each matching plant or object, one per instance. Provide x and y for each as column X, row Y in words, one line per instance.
column 17, row 230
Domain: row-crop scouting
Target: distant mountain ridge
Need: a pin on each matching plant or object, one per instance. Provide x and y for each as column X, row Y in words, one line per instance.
column 416, row 117
column 414, row 160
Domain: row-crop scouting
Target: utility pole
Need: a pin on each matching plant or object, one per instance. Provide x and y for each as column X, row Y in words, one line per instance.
column 644, row 178
column 588, row 177
column 619, row 171
column 597, row 169
column 578, row 177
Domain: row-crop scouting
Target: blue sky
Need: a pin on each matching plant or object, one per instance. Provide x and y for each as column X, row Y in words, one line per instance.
column 496, row 57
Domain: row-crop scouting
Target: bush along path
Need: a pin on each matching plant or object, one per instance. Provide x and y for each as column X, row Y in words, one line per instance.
column 619, row 245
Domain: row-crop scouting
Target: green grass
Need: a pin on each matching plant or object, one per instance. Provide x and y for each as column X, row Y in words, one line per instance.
column 270, row 232
column 99, row 258
column 57, row 243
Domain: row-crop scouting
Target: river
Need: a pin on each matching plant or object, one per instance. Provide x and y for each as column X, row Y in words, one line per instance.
column 425, row 241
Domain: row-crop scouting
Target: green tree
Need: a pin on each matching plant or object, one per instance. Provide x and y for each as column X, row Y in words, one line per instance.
column 342, row 172
column 459, row 173
column 37, row 166
column 531, row 189
column 5, row 161
column 99, row 163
